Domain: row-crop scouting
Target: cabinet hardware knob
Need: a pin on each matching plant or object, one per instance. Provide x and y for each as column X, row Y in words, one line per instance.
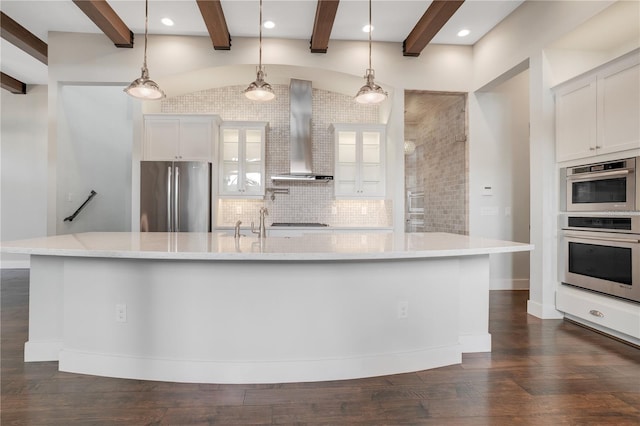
column 591, row 148
column 596, row 313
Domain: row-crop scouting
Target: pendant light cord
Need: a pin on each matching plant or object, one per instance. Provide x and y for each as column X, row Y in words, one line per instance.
column 146, row 27
column 260, row 44
column 370, row 30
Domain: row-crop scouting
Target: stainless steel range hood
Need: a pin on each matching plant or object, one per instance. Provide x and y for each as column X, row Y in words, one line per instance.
column 300, row 158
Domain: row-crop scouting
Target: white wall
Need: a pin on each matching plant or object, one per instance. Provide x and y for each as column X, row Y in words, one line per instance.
column 520, row 39
column 95, row 138
column 529, row 29
column 23, row 170
column 499, row 158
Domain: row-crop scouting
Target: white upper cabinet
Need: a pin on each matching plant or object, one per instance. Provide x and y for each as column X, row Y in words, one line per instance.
column 576, row 120
column 598, row 113
column 242, row 159
column 359, row 160
column 179, row 137
column 619, row 107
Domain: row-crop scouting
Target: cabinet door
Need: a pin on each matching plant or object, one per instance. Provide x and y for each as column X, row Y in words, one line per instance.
column 253, row 168
column 372, row 165
column 161, row 139
column 576, row 121
column 619, row 108
column 242, row 165
column 230, row 159
column 347, row 171
column 195, row 139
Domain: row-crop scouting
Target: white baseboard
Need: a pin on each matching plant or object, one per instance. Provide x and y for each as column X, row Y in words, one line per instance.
column 42, row 351
column 543, row 311
column 211, row 371
column 15, row 264
column 509, row 284
column 475, row 343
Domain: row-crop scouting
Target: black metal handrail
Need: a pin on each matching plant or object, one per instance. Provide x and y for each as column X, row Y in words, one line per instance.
column 73, row 216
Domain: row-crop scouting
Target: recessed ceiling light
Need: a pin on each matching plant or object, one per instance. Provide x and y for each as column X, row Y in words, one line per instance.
column 269, row 24
column 167, row 21
column 463, row 33
column 366, row 29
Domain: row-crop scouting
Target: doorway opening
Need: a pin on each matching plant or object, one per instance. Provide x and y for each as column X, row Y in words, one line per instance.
column 436, row 162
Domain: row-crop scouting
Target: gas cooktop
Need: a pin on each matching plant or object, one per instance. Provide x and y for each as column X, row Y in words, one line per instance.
column 300, row 224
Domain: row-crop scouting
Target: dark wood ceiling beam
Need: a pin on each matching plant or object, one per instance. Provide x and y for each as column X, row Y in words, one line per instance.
column 107, row 20
column 213, row 16
column 323, row 24
column 437, row 14
column 12, row 85
column 20, row 37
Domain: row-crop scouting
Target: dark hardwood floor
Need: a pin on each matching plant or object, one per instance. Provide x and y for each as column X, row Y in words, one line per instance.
column 548, row 372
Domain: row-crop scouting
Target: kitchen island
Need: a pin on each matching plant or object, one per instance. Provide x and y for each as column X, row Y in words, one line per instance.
column 208, row 308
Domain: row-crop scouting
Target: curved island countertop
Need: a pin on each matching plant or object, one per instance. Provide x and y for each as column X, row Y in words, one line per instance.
column 208, row 308
column 222, row 246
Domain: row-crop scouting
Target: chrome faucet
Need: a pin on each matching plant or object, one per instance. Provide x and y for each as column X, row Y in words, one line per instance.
column 236, row 232
column 262, row 230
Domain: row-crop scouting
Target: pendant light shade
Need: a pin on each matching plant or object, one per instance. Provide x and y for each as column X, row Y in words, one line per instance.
column 260, row 90
column 370, row 93
column 143, row 87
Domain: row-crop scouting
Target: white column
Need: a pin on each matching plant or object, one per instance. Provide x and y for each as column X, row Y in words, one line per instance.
column 544, row 192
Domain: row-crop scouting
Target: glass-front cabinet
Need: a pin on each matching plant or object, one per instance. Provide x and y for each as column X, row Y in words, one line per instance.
column 359, row 163
column 242, row 152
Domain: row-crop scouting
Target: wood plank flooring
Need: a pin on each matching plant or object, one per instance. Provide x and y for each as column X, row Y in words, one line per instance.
column 547, row 372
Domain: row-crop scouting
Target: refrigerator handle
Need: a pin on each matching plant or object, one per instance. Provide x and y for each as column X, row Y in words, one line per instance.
column 176, row 202
column 169, row 222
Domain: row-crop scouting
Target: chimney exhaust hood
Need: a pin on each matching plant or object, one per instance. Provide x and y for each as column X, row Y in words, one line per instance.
column 300, row 157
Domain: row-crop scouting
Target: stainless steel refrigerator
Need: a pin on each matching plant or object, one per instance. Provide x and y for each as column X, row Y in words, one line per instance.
column 175, row 196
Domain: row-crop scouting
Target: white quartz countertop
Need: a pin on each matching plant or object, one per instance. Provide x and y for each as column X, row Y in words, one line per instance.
column 222, row 246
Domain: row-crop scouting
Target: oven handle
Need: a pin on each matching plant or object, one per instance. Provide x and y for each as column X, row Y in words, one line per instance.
column 588, row 176
column 610, row 239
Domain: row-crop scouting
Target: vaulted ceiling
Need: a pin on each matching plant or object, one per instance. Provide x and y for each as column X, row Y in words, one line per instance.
column 25, row 24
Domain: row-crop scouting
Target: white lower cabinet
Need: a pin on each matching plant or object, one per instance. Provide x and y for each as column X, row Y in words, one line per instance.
column 610, row 315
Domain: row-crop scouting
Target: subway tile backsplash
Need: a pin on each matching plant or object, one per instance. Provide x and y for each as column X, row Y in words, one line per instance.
column 306, row 202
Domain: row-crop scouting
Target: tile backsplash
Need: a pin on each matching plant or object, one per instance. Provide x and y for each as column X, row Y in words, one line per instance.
column 305, row 202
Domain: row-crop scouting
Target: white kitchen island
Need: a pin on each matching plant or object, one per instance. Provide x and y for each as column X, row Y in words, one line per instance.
column 208, row 308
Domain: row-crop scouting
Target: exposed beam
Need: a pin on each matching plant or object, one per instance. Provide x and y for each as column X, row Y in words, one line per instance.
column 322, row 25
column 12, row 85
column 107, row 20
column 432, row 21
column 20, row 37
column 213, row 16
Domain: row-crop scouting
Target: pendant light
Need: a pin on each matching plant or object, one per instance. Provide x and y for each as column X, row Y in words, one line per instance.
column 370, row 93
column 144, row 88
column 260, row 90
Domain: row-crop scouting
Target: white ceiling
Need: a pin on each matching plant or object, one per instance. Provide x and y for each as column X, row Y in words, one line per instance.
column 392, row 21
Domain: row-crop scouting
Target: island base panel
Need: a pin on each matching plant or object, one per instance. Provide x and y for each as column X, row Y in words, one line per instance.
column 266, row 322
column 46, row 285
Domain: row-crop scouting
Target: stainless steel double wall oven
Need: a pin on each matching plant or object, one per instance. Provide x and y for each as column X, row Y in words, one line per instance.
column 601, row 248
